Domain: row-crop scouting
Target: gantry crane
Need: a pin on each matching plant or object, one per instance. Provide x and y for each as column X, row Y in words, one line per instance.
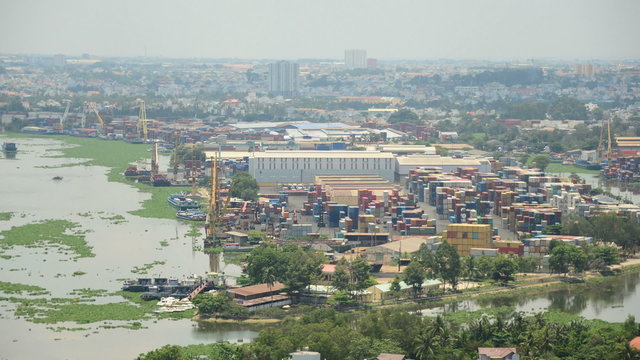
column 600, row 149
column 142, row 121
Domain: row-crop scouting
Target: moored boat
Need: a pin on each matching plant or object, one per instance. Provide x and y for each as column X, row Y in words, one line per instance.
column 182, row 202
column 9, row 147
column 191, row 214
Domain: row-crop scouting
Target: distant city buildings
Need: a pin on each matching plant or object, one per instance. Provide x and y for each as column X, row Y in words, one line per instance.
column 283, row 78
column 355, row 59
column 586, row 70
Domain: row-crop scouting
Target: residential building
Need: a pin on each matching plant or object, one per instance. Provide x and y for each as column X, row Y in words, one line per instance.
column 260, row 296
column 385, row 356
column 355, row 58
column 497, row 354
column 283, row 78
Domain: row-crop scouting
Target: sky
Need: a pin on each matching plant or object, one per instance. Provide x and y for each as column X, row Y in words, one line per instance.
column 323, row 29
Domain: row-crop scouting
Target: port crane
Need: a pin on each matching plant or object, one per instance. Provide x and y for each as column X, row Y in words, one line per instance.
column 600, row 150
column 217, row 207
column 142, row 121
column 64, row 116
column 101, row 127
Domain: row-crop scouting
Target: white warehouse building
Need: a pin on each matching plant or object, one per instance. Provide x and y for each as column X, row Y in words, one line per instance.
column 303, row 166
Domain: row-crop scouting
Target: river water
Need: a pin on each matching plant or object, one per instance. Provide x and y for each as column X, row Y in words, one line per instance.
column 84, row 196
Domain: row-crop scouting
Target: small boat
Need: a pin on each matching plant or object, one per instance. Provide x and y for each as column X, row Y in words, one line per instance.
column 57, row 178
column 9, row 147
column 182, row 202
column 192, row 215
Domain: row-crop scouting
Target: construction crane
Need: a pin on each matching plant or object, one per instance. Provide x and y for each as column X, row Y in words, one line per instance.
column 142, row 121
column 600, row 149
column 101, row 128
column 64, row 116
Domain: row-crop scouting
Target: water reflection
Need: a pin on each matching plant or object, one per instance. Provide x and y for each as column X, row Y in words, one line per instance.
column 611, row 300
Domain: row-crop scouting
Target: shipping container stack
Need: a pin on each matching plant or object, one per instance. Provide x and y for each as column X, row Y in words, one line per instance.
column 510, row 247
column 625, row 168
column 530, row 218
column 538, row 246
column 464, row 237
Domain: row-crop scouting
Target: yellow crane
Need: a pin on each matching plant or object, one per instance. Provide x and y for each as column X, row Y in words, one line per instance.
column 101, row 128
column 142, row 121
column 216, row 207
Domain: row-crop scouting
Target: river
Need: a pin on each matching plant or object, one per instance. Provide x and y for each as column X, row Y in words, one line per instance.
column 84, row 196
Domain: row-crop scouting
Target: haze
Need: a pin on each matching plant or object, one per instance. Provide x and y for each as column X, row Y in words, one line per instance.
column 293, row 29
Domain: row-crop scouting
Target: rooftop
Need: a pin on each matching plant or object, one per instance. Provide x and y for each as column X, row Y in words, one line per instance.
column 323, row 154
column 257, row 289
column 496, row 352
column 418, row 160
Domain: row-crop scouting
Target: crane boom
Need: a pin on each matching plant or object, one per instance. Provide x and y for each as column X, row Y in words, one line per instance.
column 95, row 110
column 64, row 116
column 142, row 121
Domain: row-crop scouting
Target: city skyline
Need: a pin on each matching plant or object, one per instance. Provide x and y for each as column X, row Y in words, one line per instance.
column 489, row 30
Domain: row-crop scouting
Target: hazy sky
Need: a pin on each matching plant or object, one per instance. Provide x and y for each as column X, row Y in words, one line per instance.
column 292, row 29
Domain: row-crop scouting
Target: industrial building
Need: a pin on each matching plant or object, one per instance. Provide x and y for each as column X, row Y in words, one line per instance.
column 447, row 164
column 304, row 166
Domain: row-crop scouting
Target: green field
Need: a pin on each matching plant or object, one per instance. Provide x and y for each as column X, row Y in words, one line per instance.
column 555, row 168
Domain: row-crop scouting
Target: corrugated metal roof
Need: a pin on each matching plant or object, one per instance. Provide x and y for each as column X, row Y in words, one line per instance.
column 323, row 154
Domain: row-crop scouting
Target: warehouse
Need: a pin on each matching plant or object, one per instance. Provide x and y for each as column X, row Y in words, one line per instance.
column 447, row 164
column 304, row 166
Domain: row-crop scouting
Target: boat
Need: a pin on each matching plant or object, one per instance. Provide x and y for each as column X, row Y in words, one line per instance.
column 131, row 171
column 191, row 214
column 182, row 202
column 9, row 147
column 157, row 288
column 160, row 180
column 57, row 178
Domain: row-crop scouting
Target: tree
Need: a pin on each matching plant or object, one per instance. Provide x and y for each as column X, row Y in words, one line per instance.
column 540, row 161
column 340, row 279
column 608, row 254
column 244, row 186
column 404, row 116
column 360, row 273
column 414, row 275
column 167, row 352
column 395, row 288
column 504, row 268
column 303, row 267
column 448, row 263
column 263, row 257
column 566, row 108
column 221, row 303
column 564, row 256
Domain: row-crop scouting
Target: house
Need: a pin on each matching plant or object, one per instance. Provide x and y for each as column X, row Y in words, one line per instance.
column 385, row 356
column 238, row 237
column 498, row 354
column 260, row 296
column 327, row 271
column 388, row 253
column 305, row 355
column 379, row 292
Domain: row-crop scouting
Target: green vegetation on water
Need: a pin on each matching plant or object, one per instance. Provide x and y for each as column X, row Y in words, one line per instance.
column 13, row 288
column 44, row 234
column 555, row 168
column 144, row 269
column 5, row 216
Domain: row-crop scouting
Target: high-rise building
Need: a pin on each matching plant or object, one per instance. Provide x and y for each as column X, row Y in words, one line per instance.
column 586, row 70
column 283, row 78
column 355, row 58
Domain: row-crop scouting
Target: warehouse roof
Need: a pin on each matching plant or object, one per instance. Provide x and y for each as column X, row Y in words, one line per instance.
column 409, row 244
column 323, row 154
column 419, row 160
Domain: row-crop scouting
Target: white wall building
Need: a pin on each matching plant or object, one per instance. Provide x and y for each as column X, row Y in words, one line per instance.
column 303, row 166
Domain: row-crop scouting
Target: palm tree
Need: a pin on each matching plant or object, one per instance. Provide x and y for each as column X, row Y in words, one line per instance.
column 269, row 276
column 425, row 346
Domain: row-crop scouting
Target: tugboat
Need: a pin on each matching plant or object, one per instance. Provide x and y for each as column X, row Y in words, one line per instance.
column 9, row 147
